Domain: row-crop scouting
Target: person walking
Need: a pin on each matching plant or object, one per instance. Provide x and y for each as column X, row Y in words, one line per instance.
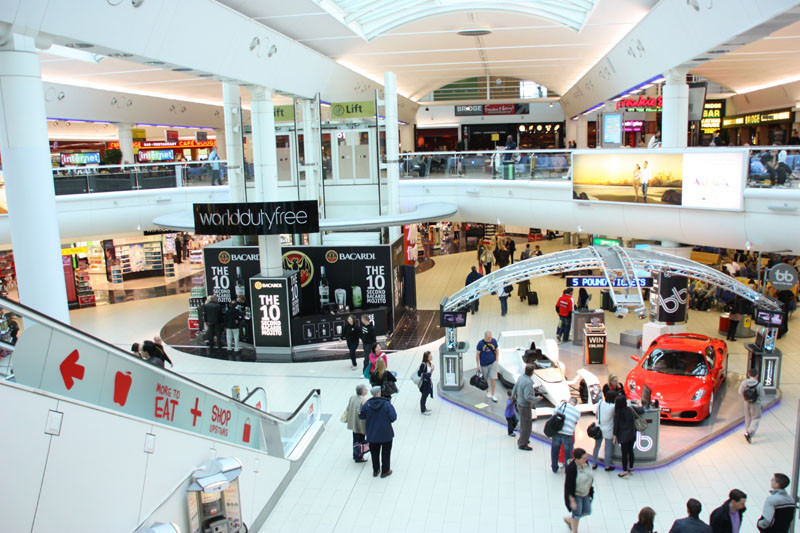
column 511, row 246
column 605, row 421
column 625, row 432
column 178, row 249
column 351, row 334
column 692, row 523
column 511, row 414
column 523, row 395
column 379, row 414
column 727, row 518
column 564, row 307
column 752, row 391
column 645, row 524
column 356, row 424
column 503, row 295
column 472, row 277
column 156, row 354
column 425, row 371
column 486, row 360
column 566, row 436
column 232, row 318
column 578, row 489
column 216, row 176
column 486, row 260
column 368, row 338
column 213, row 317
column 776, row 517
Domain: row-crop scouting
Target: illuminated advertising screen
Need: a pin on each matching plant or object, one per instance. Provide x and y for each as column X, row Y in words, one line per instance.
column 81, row 158
column 612, row 128
column 713, row 180
column 630, row 177
column 148, row 156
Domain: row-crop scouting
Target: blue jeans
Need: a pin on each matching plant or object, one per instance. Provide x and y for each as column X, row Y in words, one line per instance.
column 565, row 322
column 584, row 506
column 559, row 439
column 609, row 446
column 503, row 306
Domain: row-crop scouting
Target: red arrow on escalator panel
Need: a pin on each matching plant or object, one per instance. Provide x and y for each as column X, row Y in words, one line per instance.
column 71, row 370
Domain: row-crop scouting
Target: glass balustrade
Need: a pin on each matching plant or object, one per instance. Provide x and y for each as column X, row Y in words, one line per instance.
column 501, row 165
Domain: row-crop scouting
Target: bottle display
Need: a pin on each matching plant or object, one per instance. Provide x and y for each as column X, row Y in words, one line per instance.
column 324, row 289
column 341, row 297
column 239, row 282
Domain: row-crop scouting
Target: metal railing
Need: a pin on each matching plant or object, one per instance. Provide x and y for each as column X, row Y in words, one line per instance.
column 114, row 178
column 488, row 164
column 33, row 344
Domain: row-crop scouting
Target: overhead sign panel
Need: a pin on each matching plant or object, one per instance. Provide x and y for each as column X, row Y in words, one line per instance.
column 256, row 218
column 353, row 109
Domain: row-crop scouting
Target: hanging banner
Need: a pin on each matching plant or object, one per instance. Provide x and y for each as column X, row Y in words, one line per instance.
column 669, row 299
column 353, row 109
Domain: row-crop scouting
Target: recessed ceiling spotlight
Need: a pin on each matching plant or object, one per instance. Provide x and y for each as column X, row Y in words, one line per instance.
column 79, row 46
column 204, row 75
column 120, row 54
column 474, row 32
column 137, row 3
column 154, row 63
column 181, row 69
column 272, row 51
column 254, row 43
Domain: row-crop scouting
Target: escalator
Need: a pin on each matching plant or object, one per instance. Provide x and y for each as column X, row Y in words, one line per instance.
column 118, row 430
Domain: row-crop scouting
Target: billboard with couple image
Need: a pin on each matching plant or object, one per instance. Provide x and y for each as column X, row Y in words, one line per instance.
column 635, row 177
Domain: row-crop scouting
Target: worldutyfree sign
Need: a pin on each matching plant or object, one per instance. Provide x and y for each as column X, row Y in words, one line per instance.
column 256, row 218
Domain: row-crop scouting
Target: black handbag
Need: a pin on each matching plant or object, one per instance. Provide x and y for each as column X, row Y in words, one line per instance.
column 478, row 381
column 594, row 431
column 555, row 422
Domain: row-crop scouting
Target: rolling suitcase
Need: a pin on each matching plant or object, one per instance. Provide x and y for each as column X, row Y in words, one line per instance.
column 533, row 298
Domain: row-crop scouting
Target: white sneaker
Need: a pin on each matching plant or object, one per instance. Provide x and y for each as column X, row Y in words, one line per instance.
column 494, row 398
column 488, row 394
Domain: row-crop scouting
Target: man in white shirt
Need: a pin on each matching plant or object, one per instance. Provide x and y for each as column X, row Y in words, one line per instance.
column 646, row 174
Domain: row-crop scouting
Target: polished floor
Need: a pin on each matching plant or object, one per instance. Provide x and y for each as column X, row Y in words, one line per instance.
column 456, row 471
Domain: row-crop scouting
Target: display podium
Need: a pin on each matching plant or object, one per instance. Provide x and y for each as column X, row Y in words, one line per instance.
column 646, row 445
column 451, row 366
column 595, row 343
column 580, row 319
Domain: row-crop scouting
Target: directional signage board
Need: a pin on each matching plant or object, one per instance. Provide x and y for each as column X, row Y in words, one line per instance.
column 68, row 366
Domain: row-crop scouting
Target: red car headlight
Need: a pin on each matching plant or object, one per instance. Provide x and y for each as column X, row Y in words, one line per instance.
column 632, row 385
column 699, row 393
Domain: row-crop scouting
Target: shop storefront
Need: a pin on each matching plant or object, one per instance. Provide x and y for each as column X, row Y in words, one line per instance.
column 436, row 139
column 173, row 150
column 759, row 129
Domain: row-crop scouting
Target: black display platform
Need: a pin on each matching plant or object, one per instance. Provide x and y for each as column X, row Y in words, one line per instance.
column 416, row 328
column 677, row 438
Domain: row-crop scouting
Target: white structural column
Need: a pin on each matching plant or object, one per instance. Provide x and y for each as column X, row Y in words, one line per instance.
column 311, row 158
column 392, row 149
column 221, row 139
column 125, row 136
column 578, row 131
column 265, row 164
column 231, row 141
column 675, row 111
column 28, row 178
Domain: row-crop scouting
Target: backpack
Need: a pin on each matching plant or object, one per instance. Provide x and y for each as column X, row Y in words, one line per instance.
column 750, row 393
column 555, row 422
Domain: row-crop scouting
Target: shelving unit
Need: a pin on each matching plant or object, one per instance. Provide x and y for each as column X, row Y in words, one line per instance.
column 195, row 256
column 169, row 268
column 96, row 261
column 84, row 289
column 116, row 274
column 196, row 299
column 124, row 259
column 153, row 259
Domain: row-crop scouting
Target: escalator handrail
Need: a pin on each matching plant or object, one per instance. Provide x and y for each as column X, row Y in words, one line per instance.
column 27, row 312
column 289, row 418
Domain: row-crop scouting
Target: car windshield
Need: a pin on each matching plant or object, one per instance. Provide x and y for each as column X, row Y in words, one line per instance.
column 676, row 363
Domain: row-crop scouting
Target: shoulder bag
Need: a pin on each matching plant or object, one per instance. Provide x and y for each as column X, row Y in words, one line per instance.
column 639, row 423
column 555, row 422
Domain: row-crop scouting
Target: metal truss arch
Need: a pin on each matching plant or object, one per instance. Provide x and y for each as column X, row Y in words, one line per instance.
column 614, row 262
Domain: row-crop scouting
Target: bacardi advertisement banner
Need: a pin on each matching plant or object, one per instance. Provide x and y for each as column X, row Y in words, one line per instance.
column 256, row 218
column 668, row 299
column 227, row 270
column 329, row 327
column 398, row 260
column 270, row 312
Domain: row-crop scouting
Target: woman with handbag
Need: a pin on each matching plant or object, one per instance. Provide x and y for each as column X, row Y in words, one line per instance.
column 357, row 425
column 605, row 425
column 578, row 489
column 625, row 432
column 424, row 372
column 384, row 379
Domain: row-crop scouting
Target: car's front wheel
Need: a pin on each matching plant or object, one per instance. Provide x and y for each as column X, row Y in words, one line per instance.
column 711, row 404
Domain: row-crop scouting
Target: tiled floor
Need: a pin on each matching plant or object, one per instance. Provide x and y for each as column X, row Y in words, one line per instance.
column 455, row 471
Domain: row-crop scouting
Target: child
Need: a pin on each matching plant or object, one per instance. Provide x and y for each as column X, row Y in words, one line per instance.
column 511, row 415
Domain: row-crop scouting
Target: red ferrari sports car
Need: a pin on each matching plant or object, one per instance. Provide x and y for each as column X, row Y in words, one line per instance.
column 683, row 372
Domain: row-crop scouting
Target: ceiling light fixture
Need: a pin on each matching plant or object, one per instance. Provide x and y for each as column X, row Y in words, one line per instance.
column 272, row 51
column 79, row 46
column 74, row 53
column 254, row 43
column 120, row 55
column 154, row 63
column 474, row 32
column 181, row 69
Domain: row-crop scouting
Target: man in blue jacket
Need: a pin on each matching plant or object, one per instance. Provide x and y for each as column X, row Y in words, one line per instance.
column 692, row 523
column 379, row 414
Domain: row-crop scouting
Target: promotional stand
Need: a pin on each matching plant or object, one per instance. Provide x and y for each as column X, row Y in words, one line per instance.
column 451, row 366
column 274, row 302
column 766, row 359
column 646, row 445
column 213, row 500
column 579, row 321
column 595, row 344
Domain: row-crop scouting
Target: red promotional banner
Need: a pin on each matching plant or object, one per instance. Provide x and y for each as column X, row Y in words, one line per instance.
column 499, row 109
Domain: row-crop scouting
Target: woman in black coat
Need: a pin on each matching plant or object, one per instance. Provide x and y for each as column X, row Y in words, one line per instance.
column 351, row 335
column 384, row 379
column 425, row 383
column 624, row 432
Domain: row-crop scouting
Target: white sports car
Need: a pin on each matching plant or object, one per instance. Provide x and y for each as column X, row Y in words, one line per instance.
column 548, row 376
